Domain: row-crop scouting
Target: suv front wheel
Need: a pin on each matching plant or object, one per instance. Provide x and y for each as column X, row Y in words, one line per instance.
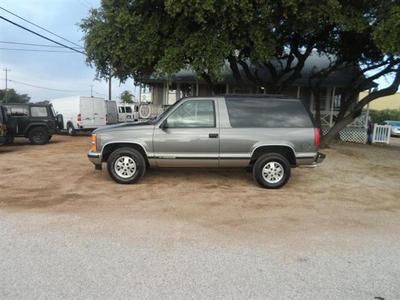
column 271, row 170
column 126, row 165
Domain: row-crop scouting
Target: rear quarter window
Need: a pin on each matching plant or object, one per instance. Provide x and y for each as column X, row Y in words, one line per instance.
column 267, row 113
column 38, row 111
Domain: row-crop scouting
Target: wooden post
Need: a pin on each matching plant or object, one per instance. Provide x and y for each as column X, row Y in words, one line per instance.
column 197, row 87
column 227, row 88
column 298, row 92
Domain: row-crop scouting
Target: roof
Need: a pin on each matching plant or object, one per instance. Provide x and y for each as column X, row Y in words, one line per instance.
column 314, row 63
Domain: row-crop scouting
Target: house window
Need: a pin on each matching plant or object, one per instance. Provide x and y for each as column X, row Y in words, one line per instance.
column 323, row 97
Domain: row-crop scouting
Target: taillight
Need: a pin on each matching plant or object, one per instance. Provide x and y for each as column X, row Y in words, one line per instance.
column 79, row 117
column 317, row 137
column 94, row 141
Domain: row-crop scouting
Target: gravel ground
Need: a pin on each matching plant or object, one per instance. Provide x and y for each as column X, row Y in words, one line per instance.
column 67, row 231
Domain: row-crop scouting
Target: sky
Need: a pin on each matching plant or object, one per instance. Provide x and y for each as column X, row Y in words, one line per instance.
column 61, row 71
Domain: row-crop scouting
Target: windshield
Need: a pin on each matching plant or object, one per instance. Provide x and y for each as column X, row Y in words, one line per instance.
column 165, row 112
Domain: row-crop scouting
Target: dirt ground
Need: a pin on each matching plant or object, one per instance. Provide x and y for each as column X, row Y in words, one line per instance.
column 357, row 187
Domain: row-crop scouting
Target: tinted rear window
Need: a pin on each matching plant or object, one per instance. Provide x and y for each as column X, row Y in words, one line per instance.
column 267, row 113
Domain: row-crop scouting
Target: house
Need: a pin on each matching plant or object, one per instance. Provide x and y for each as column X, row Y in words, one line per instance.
column 166, row 90
column 388, row 102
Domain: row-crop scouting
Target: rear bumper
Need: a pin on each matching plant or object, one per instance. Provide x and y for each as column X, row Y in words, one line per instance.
column 95, row 158
column 319, row 158
column 311, row 161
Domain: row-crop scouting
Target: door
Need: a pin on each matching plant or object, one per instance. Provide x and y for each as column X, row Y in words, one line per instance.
column 99, row 112
column 3, row 126
column 189, row 137
column 86, row 112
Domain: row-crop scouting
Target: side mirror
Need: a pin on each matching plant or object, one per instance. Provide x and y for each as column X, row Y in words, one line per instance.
column 164, row 125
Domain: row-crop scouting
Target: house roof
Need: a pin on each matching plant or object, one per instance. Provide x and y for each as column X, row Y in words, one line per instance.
column 314, row 63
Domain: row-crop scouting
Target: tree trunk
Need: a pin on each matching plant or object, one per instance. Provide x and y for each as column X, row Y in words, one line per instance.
column 334, row 131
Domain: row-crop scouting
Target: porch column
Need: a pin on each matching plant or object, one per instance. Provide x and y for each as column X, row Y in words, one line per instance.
column 332, row 106
column 178, row 92
column 366, row 117
column 140, row 92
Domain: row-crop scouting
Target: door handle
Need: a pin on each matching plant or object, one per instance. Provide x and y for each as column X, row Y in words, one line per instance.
column 213, row 135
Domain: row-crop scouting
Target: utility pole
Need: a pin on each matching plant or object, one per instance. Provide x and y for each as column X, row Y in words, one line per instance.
column 6, row 90
column 109, row 88
column 91, row 91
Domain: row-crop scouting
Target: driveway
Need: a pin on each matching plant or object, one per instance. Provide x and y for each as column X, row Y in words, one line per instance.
column 68, row 231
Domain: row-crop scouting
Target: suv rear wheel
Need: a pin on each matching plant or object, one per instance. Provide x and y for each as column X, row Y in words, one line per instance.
column 271, row 170
column 126, row 165
column 39, row 136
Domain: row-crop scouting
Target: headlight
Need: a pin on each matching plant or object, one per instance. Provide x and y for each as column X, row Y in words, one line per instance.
column 94, row 143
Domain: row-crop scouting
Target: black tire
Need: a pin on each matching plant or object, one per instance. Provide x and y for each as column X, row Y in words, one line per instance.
column 39, row 136
column 9, row 140
column 133, row 154
column 279, row 170
column 71, row 130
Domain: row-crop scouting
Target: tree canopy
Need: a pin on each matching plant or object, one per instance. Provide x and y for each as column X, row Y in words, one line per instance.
column 11, row 96
column 135, row 38
column 126, row 97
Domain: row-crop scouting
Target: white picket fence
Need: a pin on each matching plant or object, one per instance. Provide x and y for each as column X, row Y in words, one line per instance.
column 381, row 134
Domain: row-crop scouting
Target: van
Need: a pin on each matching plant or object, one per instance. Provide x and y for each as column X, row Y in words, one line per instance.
column 128, row 112
column 81, row 113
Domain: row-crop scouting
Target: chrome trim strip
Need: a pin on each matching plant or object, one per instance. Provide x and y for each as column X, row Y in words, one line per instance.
column 148, row 154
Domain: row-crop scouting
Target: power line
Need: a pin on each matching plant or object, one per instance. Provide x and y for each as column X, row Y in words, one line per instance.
column 48, row 31
column 45, row 88
column 30, row 44
column 36, row 50
column 40, row 35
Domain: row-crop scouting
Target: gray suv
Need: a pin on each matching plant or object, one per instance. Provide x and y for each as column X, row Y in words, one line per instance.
column 269, row 134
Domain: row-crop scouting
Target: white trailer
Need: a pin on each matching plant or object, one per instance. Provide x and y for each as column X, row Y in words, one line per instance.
column 81, row 113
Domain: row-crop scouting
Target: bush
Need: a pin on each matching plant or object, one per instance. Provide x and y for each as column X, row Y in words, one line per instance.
column 378, row 116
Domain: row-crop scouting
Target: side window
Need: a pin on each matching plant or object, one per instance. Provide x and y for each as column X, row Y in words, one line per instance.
column 38, row 111
column 18, row 111
column 121, row 109
column 193, row 114
column 267, row 113
column 128, row 109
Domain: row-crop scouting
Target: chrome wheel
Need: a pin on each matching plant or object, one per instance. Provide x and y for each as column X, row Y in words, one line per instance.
column 273, row 172
column 125, row 167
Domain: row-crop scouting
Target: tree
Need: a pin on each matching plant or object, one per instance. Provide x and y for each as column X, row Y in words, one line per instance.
column 11, row 96
column 126, row 97
column 139, row 38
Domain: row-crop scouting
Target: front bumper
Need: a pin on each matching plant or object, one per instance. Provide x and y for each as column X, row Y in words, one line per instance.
column 95, row 158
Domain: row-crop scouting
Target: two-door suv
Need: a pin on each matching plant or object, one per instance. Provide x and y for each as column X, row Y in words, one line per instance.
column 270, row 134
column 37, row 122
